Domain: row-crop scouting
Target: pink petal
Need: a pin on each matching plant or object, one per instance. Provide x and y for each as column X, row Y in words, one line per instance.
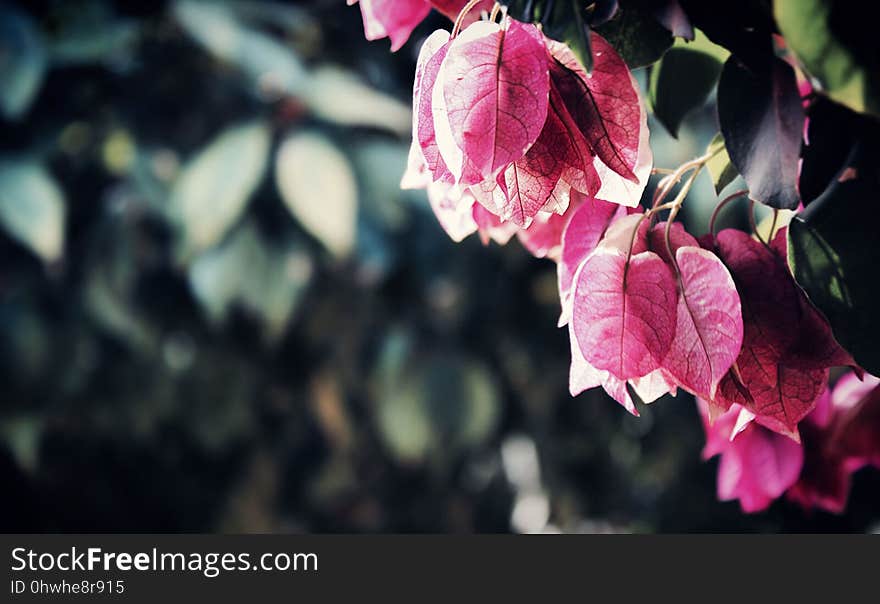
column 451, row 8
column 584, row 376
column 491, row 228
column 787, row 345
column 454, row 210
column 709, row 327
column 604, row 104
column 624, row 311
column 394, row 19
column 496, row 91
column 758, row 467
column 581, row 236
column 543, row 238
column 430, row 59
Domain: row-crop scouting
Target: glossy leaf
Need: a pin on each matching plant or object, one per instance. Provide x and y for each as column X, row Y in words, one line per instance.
column 637, row 36
column 745, row 27
column 683, row 80
column 762, row 121
column 832, row 134
column 834, row 256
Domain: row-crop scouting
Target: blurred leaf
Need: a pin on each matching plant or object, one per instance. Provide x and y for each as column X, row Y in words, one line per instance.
column 274, row 292
column 837, row 43
column 88, row 32
column 32, row 208
column 318, row 186
column 109, row 290
column 23, row 435
column 268, row 281
column 272, row 67
column 379, row 164
column 437, row 407
column 294, row 19
column 213, row 189
column 683, row 79
column 23, row 62
column 339, row 96
column 720, row 169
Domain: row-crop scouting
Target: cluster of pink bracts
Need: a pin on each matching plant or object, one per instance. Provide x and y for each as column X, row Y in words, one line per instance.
column 511, row 136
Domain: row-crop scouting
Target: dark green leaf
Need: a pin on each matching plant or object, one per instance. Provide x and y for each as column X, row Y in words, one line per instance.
column 745, row 27
column 834, row 255
column 637, row 36
column 762, row 121
column 680, row 83
column 832, row 132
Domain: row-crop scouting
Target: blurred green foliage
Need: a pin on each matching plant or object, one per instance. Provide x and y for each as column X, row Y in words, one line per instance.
column 218, row 311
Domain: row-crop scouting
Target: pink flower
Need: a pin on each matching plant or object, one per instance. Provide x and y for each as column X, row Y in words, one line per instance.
column 757, row 465
column 841, row 436
column 393, row 19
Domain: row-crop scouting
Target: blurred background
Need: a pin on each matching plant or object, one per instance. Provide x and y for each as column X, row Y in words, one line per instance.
column 218, row 312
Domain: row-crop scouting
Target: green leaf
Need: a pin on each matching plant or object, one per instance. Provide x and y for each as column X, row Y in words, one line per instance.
column 23, row 63
column 329, row 96
column 433, row 408
column 32, row 208
column 834, row 256
column 680, row 83
column 212, row 191
column 720, row 168
column 273, row 67
column 637, row 36
column 318, row 186
column 267, row 280
column 836, row 41
column 684, row 79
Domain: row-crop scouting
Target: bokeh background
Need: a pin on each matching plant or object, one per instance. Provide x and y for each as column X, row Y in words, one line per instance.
column 218, row 312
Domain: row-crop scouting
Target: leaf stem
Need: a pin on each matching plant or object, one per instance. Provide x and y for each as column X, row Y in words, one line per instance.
column 495, row 10
column 460, row 19
column 673, row 177
column 721, row 205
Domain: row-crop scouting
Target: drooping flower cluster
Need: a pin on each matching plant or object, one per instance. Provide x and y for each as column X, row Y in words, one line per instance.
column 509, row 130
column 511, row 136
column 839, row 437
